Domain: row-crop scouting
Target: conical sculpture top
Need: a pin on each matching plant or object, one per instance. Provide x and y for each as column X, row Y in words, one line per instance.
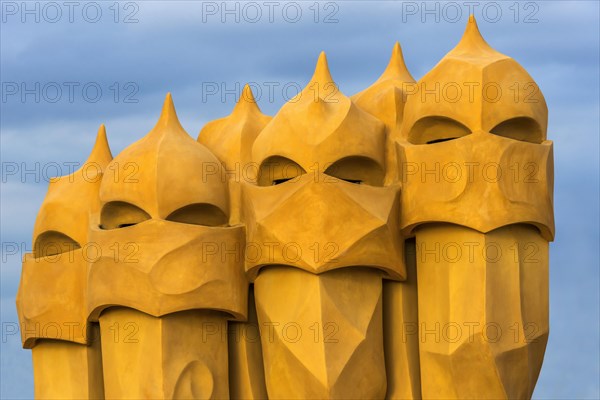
column 59, row 215
column 489, row 143
column 165, row 171
column 51, row 301
column 476, row 88
column 320, row 126
column 231, row 138
column 386, row 97
column 60, row 232
column 323, row 143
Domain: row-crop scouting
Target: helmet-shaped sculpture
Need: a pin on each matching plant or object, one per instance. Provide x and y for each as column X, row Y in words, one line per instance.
column 477, row 194
column 480, row 121
column 58, row 311
column 166, row 212
column 386, row 99
column 326, row 230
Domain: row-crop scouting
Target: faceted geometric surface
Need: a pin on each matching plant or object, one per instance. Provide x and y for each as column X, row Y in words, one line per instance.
column 180, row 355
column 318, row 341
column 483, row 310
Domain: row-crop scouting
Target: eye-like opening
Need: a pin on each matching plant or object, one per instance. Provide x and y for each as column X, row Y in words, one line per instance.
column 358, row 170
column 120, row 214
column 520, row 128
column 282, row 180
column 199, row 214
column 436, row 129
column 277, row 170
column 440, row 140
column 51, row 243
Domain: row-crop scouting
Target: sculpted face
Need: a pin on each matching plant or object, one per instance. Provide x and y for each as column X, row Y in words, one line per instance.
column 170, row 267
column 60, row 254
column 320, row 192
column 474, row 132
column 476, row 173
column 163, row 226
column 324, row 232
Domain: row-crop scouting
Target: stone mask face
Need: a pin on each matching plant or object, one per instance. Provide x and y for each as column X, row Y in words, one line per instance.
column 510, row 180
column 60, row 254
column 306, row 223
column 474, row 133
column 323, row 224
column 164, row 230
column 178, row 266
column 320, row 203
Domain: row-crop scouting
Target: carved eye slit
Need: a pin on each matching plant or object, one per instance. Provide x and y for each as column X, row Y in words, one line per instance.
column 282, row 180
column 120, row 214
column 440, row 140
column 521, row 128
column 431, row 130
column 358, row 170
column 199, row 214
column 51, row 243
column 277, row 170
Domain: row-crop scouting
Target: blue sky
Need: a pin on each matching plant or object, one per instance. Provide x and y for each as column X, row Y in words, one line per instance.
column 135, row 52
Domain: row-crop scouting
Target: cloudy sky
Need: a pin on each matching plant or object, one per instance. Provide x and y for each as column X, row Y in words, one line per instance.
column 67, row 69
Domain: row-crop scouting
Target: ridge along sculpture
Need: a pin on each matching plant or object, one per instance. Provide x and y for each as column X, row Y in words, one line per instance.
column 392, row 244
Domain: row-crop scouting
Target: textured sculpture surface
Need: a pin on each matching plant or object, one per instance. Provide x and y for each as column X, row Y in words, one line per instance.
column 392, row 244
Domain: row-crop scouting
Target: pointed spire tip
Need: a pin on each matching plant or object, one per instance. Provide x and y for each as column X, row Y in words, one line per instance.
column 101, row 135
column 246, row 102
column 247, row 94
column 472, row 27
column 396, row 68
column 168, row 120
column 101, row 132
column 322, row 73
column 101, row 151
column 168, row 113
column 472, row 42
column 168, row 103
column 397, row 56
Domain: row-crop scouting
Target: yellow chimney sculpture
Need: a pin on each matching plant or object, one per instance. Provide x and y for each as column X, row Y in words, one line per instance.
column 392, row 244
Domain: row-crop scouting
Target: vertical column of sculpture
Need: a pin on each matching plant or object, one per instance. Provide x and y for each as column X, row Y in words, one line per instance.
column 231, row 139
column 325, row 233
column 385, row 99
column 477, row 174
column 67, row 363
column 170, row 274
